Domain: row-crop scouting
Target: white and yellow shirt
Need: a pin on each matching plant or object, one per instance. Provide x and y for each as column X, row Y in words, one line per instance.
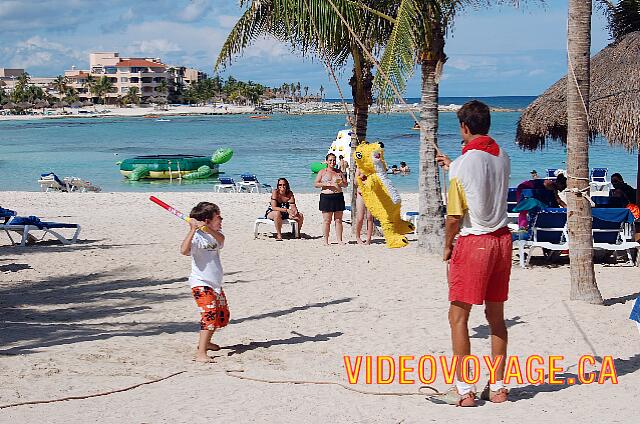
column 479, row 183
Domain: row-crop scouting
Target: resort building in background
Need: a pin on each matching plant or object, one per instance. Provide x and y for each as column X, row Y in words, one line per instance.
column 151, row 77
column 9, row 77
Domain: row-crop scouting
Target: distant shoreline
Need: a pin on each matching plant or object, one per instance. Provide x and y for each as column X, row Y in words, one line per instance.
column 314, row 108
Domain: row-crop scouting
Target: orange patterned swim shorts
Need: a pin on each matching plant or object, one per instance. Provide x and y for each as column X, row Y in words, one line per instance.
column 214, row 311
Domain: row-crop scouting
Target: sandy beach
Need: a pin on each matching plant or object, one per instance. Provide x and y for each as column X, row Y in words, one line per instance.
column 309, row 108
column 115, row 310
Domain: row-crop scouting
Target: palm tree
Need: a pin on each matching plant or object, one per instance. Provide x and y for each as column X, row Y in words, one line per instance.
column 103, row 87
column 419, row 31
column 133, row 96
column 419, row 37
column 20, row 90
column 312, row 27
column 71, row 96
column 579, row 220
column 623, row 17
column 60, row 84
column 90, row 84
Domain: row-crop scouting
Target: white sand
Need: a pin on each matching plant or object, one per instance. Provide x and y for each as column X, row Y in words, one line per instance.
column 115, row 310
column 112, row 110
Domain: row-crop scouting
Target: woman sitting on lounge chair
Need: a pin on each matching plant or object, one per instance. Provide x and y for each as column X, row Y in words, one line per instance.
column 283, row 206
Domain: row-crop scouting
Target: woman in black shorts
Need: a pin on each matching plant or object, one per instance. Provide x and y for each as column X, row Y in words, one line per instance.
column 283, row 206
column 331, row 181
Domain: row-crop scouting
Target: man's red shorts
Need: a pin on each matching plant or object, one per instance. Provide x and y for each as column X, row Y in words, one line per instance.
column 480, row 268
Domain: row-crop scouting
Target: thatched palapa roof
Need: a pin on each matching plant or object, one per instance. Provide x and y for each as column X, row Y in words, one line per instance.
column 614, row 103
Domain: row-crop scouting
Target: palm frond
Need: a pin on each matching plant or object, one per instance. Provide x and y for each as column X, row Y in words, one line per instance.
column 399, row 56
column 624, row 18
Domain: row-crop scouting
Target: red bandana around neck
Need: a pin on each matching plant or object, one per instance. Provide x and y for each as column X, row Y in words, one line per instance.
column 483, row 143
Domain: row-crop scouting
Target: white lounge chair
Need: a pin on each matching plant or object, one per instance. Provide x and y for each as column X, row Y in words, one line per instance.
column 599, row 179
column 548, row 233
column 26, row 225
column 51, row 182
column 611, row 236
column 250, row 184
column 266, row 221
column 412, row 217
column 226, row 184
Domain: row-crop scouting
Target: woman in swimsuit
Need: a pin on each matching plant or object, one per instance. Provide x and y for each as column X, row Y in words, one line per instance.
column 331, row 181
column 283, row 206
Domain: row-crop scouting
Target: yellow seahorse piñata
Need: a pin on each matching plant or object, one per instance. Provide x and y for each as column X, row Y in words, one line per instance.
column 380, row 196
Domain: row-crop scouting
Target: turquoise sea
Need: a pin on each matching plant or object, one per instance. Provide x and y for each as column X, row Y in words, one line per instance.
column 282, row 146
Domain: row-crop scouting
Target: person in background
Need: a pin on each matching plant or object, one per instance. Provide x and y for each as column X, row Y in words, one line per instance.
column 342, row 164
column 534, row 175
column 283, row 206
column 362, row 211
column 331, row 182
column 404, row 168
column 618, row 183
column 393, row 170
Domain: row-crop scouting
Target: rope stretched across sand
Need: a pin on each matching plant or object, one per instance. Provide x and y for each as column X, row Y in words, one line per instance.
column 34, row 402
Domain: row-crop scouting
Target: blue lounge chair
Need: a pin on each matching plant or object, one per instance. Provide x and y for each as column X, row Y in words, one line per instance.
column 548, row 233
column 608, row 202
column 251, row 184
column 226, row 184
column 51, row 182
column 25, row 225
column 551, row 173
column 599, row 179
column 612, row 231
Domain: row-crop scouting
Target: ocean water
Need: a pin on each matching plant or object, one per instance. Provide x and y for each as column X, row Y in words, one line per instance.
column 284, row 145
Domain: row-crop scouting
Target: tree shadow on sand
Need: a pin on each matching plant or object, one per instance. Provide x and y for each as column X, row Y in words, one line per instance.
column 297, row 339
column 63, row 310
column 623, row 367
column 275, row 314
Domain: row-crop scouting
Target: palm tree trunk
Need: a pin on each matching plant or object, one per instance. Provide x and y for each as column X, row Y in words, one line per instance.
column 361, row 89
column 583, row 279
column 430, row 207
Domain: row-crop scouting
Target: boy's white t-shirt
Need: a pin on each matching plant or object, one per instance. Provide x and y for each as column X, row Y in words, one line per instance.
column 206, row 269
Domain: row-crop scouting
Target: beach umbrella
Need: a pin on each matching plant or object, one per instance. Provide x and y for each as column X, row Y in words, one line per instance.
column 41, row 104
column 76, row 104
column 87, row 103
column 9, row 105
column 614, row 102
column 24, row 105
column 61, row 104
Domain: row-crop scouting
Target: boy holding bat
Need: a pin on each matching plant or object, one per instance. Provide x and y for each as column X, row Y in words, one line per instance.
column 203, row 245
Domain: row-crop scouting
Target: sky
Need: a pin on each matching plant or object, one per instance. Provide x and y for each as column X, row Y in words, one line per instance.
column 494, row 51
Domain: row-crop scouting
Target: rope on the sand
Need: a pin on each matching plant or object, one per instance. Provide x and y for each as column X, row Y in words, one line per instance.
column 34, row 402
column 231, row 373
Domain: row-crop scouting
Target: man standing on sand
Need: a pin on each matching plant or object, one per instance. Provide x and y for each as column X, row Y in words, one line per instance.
column 480, row 262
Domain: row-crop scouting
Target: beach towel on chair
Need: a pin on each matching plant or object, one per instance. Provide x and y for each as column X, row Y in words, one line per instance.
column 27, row 220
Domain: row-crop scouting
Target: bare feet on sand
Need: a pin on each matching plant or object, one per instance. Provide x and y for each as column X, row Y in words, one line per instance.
column 211, row 346
column 204, row 358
